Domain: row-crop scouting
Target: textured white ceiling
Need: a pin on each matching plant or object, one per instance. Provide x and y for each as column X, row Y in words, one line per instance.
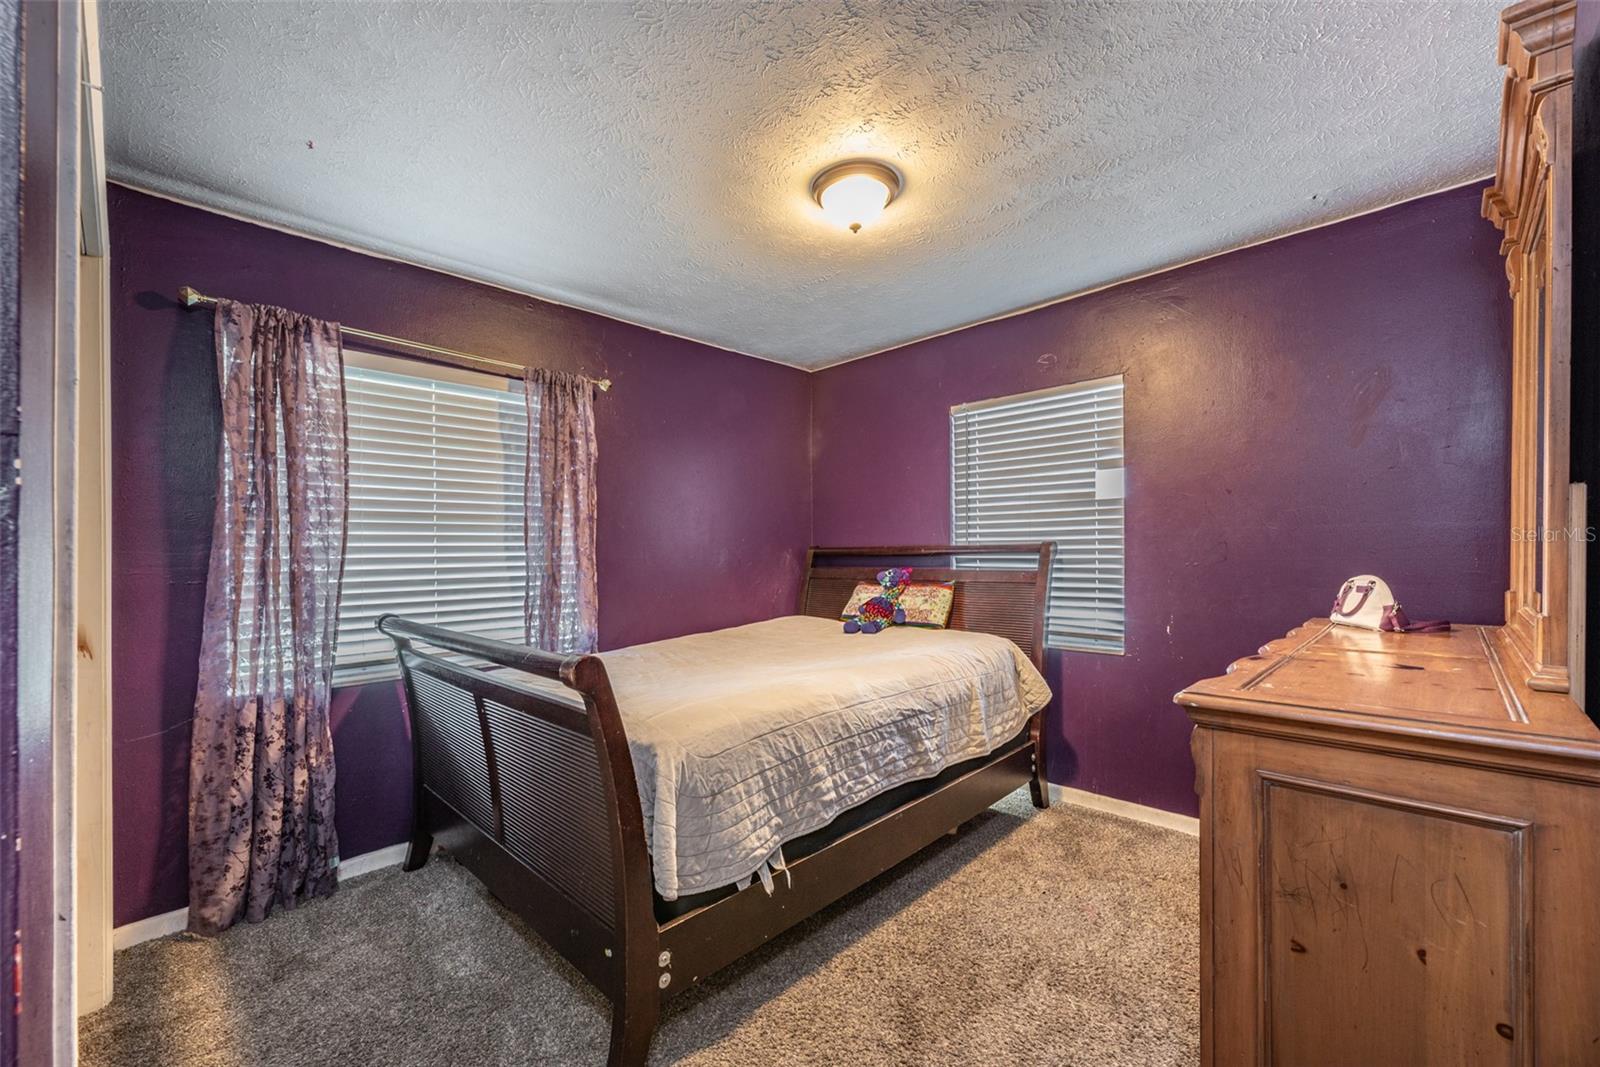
column 652, row 162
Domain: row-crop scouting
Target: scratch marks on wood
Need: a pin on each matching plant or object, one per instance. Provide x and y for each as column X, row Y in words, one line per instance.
column 1236, row 865
column 1394, row 875
column 1319, row 880
column 1453, row 903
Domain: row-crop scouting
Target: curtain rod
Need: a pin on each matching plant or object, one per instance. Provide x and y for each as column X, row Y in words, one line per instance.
column 189, row 296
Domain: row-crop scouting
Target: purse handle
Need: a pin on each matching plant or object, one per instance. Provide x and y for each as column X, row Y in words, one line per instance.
column 1344, row 593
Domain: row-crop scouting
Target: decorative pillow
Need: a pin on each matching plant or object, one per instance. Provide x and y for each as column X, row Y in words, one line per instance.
column 927, row 604
column 864, row 592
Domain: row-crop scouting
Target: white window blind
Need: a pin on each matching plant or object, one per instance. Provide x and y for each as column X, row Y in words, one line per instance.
column 437, row 459
column 1047, row 466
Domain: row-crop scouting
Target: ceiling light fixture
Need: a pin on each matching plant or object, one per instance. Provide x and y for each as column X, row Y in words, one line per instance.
column 854, row 193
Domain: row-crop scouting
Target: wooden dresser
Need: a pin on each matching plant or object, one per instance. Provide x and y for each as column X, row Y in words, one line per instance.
column 1399, row 859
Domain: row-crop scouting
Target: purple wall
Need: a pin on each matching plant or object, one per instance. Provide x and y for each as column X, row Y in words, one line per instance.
column 1324, row 405
column 704, row 513
column 1327, row 404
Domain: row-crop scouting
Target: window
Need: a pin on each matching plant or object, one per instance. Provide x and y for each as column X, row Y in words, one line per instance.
column 437, row 460
column 1047, row 466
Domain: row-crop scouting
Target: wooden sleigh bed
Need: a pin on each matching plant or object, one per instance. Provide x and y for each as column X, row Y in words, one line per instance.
column 538, row 798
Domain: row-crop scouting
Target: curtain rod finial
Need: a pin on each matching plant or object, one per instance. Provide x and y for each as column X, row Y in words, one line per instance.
column 604, row 385
column 188, row 296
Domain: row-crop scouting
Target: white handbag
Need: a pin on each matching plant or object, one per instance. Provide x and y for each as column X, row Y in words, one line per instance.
column 1367, row 601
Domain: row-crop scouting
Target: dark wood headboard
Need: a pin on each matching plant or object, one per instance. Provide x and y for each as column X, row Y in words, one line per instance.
column 1008, row 603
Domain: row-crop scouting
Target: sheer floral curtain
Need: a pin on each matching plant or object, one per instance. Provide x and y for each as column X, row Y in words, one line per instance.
column 261, row 831
column 560, row 607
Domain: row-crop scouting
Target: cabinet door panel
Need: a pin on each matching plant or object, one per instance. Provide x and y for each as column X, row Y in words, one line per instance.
column 1394, row 932
column 1328, row 869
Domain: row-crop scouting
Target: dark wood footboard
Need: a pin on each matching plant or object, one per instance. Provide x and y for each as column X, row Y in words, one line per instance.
column 539, row 800
column 537, row 796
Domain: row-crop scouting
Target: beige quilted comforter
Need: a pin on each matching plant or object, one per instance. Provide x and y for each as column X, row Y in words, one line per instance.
column 748, row 737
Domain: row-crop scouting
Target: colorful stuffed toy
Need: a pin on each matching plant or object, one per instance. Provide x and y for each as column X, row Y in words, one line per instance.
column 884, row 608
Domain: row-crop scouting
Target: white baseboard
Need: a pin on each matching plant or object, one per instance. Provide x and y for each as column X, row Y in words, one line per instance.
column 1169, row 820
column 136, row 933
column 377, row 860
column 173, row 922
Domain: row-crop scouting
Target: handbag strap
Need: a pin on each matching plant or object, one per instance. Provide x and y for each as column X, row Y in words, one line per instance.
column 1395, row 620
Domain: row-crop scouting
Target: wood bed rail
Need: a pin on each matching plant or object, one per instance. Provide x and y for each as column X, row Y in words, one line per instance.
column 520, row 657
column 539, row 799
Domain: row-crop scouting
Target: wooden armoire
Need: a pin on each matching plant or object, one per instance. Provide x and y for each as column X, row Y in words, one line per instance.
column 1400, row 833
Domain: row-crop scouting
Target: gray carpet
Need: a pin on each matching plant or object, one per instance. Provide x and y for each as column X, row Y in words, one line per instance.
column 1063, row 937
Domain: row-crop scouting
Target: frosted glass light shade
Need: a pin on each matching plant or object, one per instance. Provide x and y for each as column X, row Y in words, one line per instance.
column 855, row 201
column 853, row 194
